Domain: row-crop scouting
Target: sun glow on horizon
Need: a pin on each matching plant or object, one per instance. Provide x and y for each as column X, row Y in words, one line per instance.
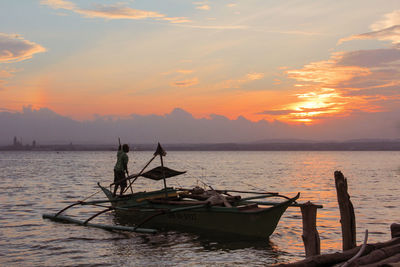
column 209, row 59
column 330, row 89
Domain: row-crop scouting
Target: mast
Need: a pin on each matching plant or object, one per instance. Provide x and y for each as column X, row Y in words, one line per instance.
column 161, row 152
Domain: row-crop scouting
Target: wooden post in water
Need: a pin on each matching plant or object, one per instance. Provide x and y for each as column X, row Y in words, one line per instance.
column 347, row 217
column 310, row 234
column 395, row 229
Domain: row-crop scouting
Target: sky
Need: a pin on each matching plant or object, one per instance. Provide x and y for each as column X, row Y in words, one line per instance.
column 327, row 66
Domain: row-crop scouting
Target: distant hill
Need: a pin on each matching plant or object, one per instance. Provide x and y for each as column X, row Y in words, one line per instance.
column 276, row 145
column 46, row 127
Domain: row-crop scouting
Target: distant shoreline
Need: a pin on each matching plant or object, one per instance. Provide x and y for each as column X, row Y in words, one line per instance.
column 273, row 146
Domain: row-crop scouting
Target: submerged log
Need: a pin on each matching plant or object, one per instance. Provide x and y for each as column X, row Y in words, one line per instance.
column 339, row 257
column 378, row 255
column 347, row 217
column 393, row 261
column 310, row 234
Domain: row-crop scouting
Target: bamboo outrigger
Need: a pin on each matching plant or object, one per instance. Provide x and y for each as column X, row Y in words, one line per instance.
column 212, row 211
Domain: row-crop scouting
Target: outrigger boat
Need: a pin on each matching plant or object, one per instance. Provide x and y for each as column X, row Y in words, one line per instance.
column 208, row 211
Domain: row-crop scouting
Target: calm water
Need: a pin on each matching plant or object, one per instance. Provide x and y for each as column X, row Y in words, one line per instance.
column 33, row 183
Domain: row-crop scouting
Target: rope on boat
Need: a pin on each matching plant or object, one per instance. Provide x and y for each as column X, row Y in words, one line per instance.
column 77, row 202
column 236, row 191
column 98, row 191
column 137, row 176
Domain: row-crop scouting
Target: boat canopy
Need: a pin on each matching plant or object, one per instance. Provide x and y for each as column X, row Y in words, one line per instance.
column 157, row 173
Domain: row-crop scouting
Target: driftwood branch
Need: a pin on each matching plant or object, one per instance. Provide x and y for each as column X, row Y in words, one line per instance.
column 395, row 260
column 347, row 217
column 359, row 253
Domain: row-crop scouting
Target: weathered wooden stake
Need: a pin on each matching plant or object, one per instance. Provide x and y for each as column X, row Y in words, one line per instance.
column 347, row 217
column 310, row 235
column 395, row 229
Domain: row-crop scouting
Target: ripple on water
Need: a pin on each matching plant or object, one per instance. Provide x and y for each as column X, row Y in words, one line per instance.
column 45, row 182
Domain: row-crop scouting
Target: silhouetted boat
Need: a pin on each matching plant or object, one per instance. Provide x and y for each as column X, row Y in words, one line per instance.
column 179, row 212
column 211, row 211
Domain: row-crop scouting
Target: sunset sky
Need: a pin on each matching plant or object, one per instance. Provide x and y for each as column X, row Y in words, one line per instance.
column 292, row 61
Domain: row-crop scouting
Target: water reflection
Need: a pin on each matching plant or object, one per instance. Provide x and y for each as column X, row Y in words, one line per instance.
column 398, row 170
column 178, row 247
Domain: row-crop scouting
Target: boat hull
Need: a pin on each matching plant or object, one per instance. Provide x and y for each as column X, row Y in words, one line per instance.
column 257, row 223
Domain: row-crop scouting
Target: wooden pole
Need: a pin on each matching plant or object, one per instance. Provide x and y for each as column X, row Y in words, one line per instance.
column 395, row 229
column 347, row 217
column 163, row 174
column 310, row 235
column 61, row 218
column 160, row 151
column 137, row 175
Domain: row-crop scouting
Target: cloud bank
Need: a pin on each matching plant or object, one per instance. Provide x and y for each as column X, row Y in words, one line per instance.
column 179, row 126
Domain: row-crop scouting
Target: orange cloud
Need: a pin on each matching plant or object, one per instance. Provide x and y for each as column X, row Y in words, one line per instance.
column 5, row 74
column 388, row 34
column 310, row 106
column 238, row 83
column 203, row 7
column 389, row 20
column 14, row 48
column 255, row 76
column 118, row 11
column 59, row 4
column 386, row 29
column 327, row 72
column 184, row 71
column 365, row 81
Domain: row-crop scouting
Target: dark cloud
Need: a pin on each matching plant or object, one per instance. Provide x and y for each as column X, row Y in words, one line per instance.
column 186, row 83
column 391, row 33
column 276, row 112
column 371, row 58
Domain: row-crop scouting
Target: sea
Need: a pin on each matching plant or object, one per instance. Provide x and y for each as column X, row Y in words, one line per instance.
column 33, row 183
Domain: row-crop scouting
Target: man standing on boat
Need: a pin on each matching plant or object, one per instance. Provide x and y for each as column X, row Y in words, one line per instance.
column 120, row 168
